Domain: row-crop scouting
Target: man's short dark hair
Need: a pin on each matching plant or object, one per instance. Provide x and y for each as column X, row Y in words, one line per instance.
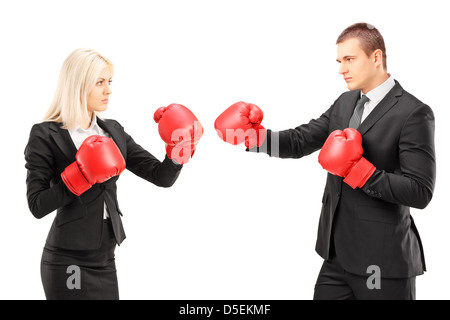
column 369, row 37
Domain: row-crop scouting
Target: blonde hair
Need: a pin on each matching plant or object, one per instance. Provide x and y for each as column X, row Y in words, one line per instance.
column 77, row 77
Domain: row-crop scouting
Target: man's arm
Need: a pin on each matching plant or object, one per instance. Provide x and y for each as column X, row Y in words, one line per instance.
column 414, row 185
column 298, row 142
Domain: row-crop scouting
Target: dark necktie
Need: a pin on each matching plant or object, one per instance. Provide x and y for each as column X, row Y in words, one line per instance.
column 355, row 120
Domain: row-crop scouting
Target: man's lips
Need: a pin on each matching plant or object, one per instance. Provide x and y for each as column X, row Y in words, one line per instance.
column 348, row 79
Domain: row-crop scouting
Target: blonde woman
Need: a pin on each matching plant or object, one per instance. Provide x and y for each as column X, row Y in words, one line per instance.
column 73, row 160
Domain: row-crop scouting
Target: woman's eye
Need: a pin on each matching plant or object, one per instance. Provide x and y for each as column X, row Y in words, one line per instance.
column 100, row 83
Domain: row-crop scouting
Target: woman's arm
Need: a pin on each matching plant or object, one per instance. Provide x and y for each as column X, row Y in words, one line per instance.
column 45, row 189
column 143, row 164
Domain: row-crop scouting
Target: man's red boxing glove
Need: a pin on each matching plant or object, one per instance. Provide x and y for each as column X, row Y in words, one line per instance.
column 180, row 130
column 241, row 123
column 97, row 160
column 341, row 155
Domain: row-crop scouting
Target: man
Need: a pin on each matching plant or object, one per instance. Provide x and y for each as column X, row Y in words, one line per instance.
column 366, row 236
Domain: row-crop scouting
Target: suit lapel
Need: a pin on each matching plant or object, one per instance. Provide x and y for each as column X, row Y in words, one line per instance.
column 384, row 106
column 65, row 143
column 63, row 140
column 116, row 133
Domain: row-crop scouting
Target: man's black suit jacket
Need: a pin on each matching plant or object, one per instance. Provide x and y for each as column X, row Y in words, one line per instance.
column 79, row 220
column 372, row 225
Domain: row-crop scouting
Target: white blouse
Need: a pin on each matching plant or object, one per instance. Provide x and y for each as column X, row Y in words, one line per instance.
column 78, row 135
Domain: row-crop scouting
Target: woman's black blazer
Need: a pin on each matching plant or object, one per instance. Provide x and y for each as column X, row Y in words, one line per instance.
column 79, row 220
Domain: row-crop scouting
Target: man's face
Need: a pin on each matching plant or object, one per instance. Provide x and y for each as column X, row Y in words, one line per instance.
column 356, row 67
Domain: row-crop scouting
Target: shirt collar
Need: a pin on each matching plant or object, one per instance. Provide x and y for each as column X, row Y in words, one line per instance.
column 92, row 127
column 377, row 94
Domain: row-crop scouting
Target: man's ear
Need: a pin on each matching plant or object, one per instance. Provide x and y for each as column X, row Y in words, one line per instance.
column 378, row 57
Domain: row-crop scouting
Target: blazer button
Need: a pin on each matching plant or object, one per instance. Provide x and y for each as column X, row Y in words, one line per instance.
column 338, row 194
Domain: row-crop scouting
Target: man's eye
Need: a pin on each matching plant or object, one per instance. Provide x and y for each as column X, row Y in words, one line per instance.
column 350, row 59
column 110, row 82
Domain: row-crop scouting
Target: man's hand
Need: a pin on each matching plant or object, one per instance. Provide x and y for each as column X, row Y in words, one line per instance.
column 341, row 155
column 241, row 123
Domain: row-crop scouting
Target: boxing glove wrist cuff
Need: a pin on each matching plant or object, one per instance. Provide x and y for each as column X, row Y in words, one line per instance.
column 265, row 146
column 360, row 173
column 180, row 153
column 74, row 179
column 255, row 137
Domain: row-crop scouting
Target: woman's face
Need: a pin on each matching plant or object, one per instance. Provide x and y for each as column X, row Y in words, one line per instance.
column 97, row 99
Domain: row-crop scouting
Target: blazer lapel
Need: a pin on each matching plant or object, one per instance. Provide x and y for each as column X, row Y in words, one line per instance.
column 116, row 134
column 65, row 144
column 384, row 106
column 63, row 140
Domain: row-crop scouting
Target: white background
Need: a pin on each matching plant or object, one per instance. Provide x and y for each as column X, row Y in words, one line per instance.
column 235, row 225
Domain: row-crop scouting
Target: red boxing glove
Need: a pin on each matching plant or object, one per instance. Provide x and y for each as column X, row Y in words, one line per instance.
column 97, row 160
column 180, row 130
column 241, row 122
column 341, row 155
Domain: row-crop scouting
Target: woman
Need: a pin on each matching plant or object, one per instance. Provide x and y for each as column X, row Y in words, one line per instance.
column 74, row 159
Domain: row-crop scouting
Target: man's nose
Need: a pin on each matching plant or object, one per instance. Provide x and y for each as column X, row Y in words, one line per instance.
column 343, row 68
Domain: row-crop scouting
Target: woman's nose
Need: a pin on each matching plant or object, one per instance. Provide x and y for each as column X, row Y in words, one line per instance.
column 107, row 89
